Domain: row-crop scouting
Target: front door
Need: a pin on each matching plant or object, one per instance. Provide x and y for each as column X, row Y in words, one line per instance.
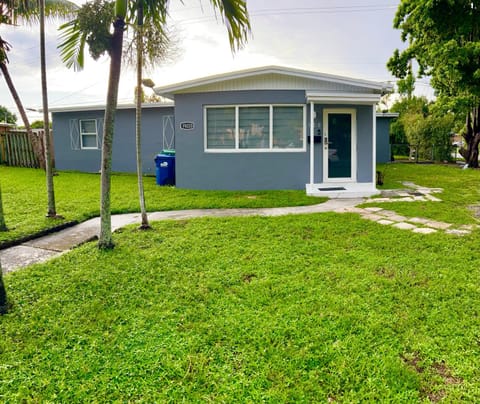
column 339, row 145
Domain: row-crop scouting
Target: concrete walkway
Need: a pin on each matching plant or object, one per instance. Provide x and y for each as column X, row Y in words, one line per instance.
column 53, row 245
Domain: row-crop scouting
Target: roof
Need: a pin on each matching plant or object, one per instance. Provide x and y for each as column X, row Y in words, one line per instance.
column 273, row 78
column 100, row 107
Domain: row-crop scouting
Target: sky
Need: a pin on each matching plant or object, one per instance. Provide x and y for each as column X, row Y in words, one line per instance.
column 353, row 38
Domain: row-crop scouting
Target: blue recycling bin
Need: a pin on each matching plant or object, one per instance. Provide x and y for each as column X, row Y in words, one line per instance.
column 165, row 169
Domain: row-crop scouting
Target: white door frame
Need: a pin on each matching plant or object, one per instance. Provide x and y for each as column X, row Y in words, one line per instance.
column 353, row 113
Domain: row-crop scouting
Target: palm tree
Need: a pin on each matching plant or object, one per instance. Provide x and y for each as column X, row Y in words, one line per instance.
column 3, row 225
column 233, row 12
column 138, row 116
column 11, row 11
column 3, row 294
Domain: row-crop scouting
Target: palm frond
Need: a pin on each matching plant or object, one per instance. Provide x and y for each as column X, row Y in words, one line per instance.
column 235, row 16
column 72, row 45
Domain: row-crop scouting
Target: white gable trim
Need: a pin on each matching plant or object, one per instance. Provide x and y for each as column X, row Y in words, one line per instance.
column 335, row 98
column 247, row 79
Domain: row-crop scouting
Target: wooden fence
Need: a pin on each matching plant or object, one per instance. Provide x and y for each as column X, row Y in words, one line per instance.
column 16, row 148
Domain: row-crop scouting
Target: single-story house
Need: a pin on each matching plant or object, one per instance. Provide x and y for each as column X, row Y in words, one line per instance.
column 263, row 128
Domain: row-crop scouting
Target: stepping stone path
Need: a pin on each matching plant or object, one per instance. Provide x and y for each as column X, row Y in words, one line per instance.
column 414, row 224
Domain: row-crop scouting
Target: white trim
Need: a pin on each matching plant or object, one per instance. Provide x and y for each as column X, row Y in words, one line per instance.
column 82, row 134
column 326, row 97
column 189, row 86
column 270, row 149
column 312, row 143
column 353, row 151
column 101, row 107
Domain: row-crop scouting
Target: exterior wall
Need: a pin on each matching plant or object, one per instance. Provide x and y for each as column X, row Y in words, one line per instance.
column 383, row 139
column 123, row 158
column 198, row 169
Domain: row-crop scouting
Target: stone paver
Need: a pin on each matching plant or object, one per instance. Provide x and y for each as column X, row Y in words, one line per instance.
column 424, row 230
column 385, row 222
column 404, row 226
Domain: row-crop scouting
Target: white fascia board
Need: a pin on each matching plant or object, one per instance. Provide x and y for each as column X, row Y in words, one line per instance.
column 343, row 98
column 387, row 114
column 101, row 107
column 170, row 90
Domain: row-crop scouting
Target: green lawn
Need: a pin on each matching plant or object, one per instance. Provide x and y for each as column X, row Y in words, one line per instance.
column 461, row 191
column 77, row 196
column 313, row 308
column 309, row 308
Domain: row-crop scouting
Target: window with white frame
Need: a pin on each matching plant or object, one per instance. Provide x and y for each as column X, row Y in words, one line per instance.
column 88, row 134
column 255, row 127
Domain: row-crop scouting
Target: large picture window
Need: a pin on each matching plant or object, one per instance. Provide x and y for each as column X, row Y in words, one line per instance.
column 88, row 134
column 255, row 128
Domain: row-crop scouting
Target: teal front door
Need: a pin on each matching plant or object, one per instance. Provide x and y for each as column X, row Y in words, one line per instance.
column 339, row 145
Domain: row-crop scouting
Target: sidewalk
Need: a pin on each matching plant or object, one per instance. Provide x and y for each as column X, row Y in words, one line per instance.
column 53, row 245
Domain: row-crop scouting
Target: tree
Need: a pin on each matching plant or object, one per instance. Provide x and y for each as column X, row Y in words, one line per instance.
column 100, row 40
column 444, row 39
column 11, row 12
column 7, row 116
column 3, row 294
column 3, row 225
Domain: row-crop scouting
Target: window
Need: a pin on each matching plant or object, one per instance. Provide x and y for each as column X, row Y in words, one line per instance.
column 221, row 128
column 88, row 134
column 255, row 128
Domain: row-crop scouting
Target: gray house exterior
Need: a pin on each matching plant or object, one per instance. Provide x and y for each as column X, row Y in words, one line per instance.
column 78, row 136
column 264, row 128
column 384, row 152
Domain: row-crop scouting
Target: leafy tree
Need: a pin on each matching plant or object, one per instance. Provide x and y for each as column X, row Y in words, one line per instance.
column 444, row 39
column 100, row 40
column 404, row 106
column 7, row 116
column 39, row 124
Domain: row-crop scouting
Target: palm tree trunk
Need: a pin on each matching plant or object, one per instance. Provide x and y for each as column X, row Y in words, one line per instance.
column 36, row 143
column 3, row 225
column 3, row 294
column 105, row 239
column 52, row 212
column 138, row 116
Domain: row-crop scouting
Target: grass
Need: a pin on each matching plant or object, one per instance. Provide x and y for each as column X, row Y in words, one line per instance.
column 461, row 191
column 310, row 308
column 77, row 198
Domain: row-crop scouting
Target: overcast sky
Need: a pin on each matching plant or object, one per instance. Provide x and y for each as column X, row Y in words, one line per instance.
column 353, row 38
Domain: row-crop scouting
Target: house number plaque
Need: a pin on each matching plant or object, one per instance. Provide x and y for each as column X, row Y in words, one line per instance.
column 187, row 125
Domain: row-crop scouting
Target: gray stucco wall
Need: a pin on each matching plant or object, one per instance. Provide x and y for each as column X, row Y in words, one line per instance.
column 123, row 159
column 383, row 139
column 197, row 169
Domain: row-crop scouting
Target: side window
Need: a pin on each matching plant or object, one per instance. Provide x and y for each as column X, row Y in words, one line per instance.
column 88, row 134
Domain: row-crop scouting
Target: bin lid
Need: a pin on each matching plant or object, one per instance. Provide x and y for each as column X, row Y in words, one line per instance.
column 168, row 152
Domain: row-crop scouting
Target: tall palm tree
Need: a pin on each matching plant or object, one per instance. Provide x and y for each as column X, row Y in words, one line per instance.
column 3, row 294
column 138, row 116
column 29, row 11
column 233, row 12
column 3, row 225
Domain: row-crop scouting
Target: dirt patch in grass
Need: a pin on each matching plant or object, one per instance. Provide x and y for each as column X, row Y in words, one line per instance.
column 431, row 389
